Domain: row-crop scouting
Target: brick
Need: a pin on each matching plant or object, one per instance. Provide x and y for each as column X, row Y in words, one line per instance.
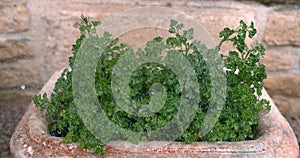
column 14, row 18
column 276, row 61
column 14, row 49
column 283, row 28
column 283, row 84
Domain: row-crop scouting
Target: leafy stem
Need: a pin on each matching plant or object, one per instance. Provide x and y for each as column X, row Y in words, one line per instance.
column 238, row 36
column 182, row 37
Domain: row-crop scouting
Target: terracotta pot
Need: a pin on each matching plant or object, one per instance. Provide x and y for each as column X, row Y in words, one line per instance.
column 31, row 139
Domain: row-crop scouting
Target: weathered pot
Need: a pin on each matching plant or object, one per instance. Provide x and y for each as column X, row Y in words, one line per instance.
column 31, row 139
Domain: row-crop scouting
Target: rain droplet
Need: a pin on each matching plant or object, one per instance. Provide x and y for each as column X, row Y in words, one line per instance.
column 23, row 86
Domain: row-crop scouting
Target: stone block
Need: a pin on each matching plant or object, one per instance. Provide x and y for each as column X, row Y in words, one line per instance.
column 139, row 37
column 63, row 29
column 14, row 49
column 14, row 18
column 14, row 75
column 15, row 97
column 214, row 20
column 283, row 28
column 276, row 61
column 269, row 2
column 283, row 84
column 63, row 22
column 282, row 103
column 11, row 2
column 294, row 108
column 9, row 118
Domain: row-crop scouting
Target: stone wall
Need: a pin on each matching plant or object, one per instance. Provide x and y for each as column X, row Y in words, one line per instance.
column 36, row 39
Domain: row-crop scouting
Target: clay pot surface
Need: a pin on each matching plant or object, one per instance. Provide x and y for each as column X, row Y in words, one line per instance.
column 31, row 139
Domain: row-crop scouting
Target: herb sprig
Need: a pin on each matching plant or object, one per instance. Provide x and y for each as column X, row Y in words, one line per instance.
column 239, row 117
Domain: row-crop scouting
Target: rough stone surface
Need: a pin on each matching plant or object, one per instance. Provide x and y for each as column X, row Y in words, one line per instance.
column 288, row 85
column 293, row 116
column 31, row 139
column 17, row 95
column 16, row 74
column 10, row 116
column 63, row 29
column 142, row 36
column 282, row 103
column 279, row 1
column 294, row 121
column 295, row 107
column 14, row 18
column 283, row 28
column 65, row 23
column 215, row 19
column 277, row 61
column 14, row 49
column 11, row 2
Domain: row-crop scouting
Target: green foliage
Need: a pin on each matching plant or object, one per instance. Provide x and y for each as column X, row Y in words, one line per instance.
column 238, row 119
column 60, row 109
column 245, row 77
